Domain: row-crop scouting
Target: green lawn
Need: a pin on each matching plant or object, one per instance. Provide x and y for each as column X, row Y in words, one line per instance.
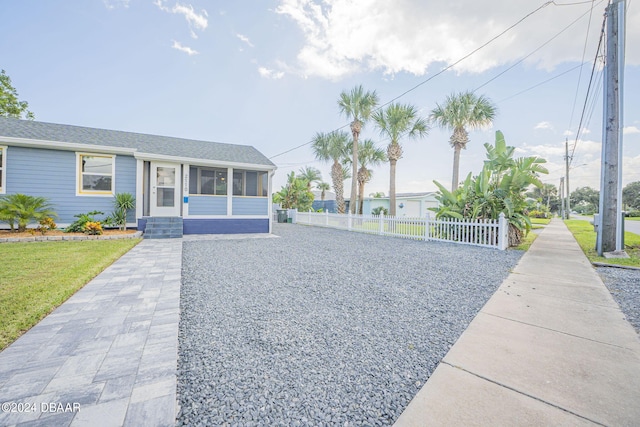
column 586, row 237
column 540, row 221
column 632, row 218
column 37, row 277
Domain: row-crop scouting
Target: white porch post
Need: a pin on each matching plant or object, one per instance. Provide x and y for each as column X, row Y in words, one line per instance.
column 270, row 201
column 139, row 189
column 185, row 190
column 229, row 191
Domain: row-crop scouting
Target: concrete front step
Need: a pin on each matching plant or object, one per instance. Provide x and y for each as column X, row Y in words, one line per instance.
column 163, row 228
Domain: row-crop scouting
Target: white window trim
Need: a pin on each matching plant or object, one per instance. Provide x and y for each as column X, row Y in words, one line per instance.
column 3, row 172
column 79, row 191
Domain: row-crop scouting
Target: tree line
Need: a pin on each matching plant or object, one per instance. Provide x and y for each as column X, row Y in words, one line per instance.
column 396, row 122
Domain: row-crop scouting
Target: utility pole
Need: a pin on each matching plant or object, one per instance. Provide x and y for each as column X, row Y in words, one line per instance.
column 561, row 191
column 566, row 163
column 609, row 229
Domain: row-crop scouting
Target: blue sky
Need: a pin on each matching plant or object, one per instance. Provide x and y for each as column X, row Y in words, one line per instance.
column 268, row 73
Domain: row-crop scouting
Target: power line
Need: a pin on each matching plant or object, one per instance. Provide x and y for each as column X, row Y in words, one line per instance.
column 584, row 52
column 473, row 52
column 595, row 60
column 542, row 82
column 537, row 49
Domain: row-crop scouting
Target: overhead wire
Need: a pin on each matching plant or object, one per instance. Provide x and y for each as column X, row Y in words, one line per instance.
column 473, row 52
column 593, row 68
column 584, row 52
column 537, row 49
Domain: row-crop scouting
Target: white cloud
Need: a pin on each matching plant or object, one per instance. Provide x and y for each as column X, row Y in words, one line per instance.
column 547, row 151
column 342, row 37
column 245, row 39
column 543, row 126
column 567, row 133
column 185, row 49
column 196, row 21
column 270, row 74
column 628, row 130
column 112, row 4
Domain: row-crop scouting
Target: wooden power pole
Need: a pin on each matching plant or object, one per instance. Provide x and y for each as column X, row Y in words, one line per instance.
column 609, row 229
column 566, row 163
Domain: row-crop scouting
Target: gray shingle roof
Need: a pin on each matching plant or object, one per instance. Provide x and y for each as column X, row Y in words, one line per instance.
column 151, row 144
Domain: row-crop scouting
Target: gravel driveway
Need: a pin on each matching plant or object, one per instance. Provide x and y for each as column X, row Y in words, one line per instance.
column 321, row 327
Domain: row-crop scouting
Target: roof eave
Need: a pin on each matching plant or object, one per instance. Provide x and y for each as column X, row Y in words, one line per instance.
column 67, row 146
column 203, row 162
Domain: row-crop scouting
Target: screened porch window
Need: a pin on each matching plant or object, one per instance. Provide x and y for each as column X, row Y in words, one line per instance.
column 96, row 173
column 250, row 183
column 207, row 181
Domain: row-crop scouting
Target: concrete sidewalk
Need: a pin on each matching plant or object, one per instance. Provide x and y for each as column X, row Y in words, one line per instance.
column 551, row 347
column 107, row 356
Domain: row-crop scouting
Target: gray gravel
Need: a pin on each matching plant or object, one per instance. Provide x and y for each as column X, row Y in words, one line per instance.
column 321, row 327
column 624, row 285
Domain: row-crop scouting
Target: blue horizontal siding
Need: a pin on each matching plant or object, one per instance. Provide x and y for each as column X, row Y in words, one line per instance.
column 225, row 226
column 250, row 206
column 207, row 205
column 52, row 174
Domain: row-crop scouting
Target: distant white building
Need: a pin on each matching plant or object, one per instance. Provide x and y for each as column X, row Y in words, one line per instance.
column 407, row 204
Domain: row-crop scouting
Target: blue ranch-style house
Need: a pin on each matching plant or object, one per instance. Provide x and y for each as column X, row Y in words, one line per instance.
column 208, row 187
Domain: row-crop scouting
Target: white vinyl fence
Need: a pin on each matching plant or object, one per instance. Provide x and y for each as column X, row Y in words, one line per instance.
column 489, row 233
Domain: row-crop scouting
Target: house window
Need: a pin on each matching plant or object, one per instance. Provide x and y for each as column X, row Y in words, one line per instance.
column 250, row 183
column 3, row 168
column 96, row 174
column 208, row 181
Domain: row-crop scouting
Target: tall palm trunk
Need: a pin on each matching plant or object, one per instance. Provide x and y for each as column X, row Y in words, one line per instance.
column 394, row 153
column 356, row 127
column 456, row 167
column 458, row 141
column 338, row 185
column 392, row 187
column 363, row 176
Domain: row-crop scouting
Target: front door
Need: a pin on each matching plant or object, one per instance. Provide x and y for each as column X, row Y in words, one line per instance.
column 165, row 189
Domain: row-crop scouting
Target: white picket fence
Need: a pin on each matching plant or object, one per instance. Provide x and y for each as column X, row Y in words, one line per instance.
column 489, row 233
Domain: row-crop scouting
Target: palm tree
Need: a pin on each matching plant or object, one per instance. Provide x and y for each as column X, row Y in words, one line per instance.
column 24, row 209
column 358, row 107
column 459, row 112
column 332, row 147
column 369, row 155
column 394, row 122
column 309, row 174
column 323, row 186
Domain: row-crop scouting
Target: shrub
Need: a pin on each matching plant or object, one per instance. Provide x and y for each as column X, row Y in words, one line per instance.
column 78, row 226
column 380, row 210
column 23, row 209
column 46, row 224
column 538, row 214
column 633, row 214
column 93, row 228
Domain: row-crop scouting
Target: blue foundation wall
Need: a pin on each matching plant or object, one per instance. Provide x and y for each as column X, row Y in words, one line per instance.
column 219, row 225
column 225, row 226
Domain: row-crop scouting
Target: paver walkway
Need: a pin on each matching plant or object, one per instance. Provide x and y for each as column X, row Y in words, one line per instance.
column 107, row 356
column 551, row 347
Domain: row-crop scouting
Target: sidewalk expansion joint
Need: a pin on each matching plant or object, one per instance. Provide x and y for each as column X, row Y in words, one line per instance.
column 560, row 332
column 523, row 393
